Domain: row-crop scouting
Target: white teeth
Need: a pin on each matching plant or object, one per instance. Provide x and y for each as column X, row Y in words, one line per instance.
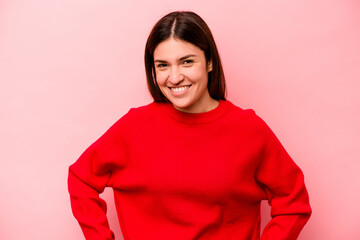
column 180, row 89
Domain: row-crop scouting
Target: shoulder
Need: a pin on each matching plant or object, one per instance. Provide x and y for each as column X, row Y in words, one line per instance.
column 240, row 114
column 144, row 111
column 247, row 119
column 120, row 132
column 136, row 116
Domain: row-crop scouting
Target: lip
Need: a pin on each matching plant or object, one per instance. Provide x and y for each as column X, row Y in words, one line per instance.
column 182, row 92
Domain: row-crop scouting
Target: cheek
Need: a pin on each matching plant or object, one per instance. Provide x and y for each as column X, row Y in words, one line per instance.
column 198, row 75
column 160, row 77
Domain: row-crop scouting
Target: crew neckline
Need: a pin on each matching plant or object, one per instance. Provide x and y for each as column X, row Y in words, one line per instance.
column 196, row 118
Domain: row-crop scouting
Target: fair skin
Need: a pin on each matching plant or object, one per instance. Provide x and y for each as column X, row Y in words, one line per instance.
column 182, row 76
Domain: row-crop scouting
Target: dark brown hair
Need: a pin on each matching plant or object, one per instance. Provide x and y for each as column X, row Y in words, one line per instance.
column 189, row 27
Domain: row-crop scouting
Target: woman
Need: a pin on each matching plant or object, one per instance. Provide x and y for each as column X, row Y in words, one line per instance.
column 190, row 165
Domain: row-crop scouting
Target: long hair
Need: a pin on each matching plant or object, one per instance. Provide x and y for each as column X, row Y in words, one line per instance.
column 191, row 28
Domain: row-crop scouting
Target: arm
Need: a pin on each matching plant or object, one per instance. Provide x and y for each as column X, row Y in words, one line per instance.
column 89, row 209
column 283, row 181
column 89, row 176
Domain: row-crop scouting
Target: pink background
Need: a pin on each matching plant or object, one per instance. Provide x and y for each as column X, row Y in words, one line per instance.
column 70, row 68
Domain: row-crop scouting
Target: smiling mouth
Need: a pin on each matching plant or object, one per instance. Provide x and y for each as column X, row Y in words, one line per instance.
column 180, row 89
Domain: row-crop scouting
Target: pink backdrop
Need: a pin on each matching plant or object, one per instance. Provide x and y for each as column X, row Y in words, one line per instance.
column 70, row 68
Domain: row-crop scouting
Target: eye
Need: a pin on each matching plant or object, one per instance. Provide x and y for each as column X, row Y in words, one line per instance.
column 161, row 65
column 188, row 62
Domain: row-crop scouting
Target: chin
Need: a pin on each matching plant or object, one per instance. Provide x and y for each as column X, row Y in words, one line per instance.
column 182, row 106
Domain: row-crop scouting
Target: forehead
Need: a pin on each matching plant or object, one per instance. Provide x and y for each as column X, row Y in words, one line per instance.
column 174, row 49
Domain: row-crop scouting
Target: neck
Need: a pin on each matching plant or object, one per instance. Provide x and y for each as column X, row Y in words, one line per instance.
column 200, row 108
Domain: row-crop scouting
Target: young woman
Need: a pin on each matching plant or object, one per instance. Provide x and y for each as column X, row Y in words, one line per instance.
column 190, row 165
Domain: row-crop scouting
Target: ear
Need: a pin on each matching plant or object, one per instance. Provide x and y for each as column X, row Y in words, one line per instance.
column 209, row 66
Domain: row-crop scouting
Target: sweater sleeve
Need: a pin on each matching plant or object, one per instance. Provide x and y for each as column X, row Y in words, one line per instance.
column 283, row 182
column 89, row 176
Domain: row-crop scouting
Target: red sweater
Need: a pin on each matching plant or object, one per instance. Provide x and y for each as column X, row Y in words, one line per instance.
column 182, row 176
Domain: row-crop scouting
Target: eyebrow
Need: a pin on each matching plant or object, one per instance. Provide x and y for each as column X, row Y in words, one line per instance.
column 181, row 59
column 187, row 56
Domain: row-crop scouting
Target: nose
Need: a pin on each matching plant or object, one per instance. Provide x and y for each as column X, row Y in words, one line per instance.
column 175, row 76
